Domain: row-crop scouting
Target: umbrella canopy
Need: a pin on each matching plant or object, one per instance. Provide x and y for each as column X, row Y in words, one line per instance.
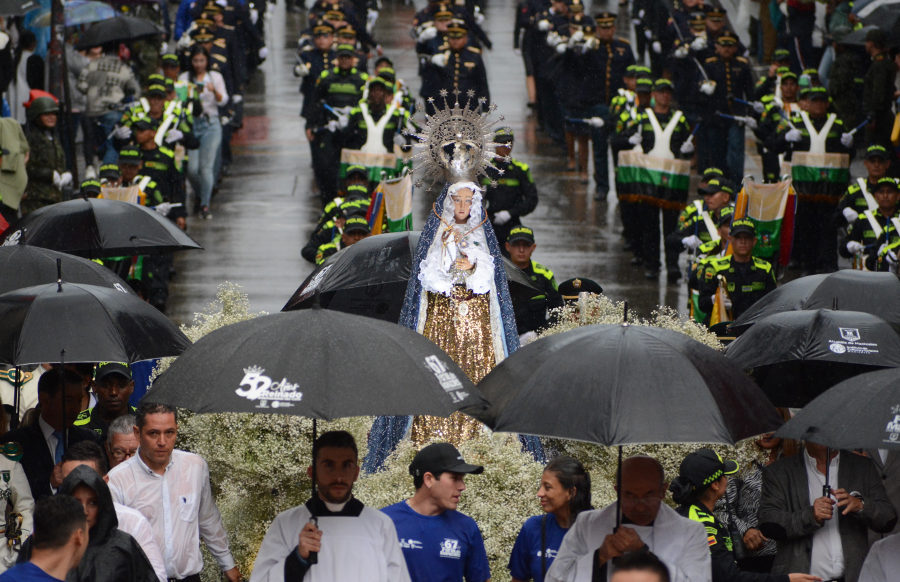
column 118, row 29
column 875, row 293
column 85, row 322
column 796, row 355
column 624, row 384
column 370, row 277
column 96, row 228
column 860, row 413
column 315, row 363
column 17, row 7
column 26, row 266
column 79, row 12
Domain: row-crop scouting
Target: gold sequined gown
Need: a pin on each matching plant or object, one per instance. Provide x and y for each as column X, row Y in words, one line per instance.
column 461, row 326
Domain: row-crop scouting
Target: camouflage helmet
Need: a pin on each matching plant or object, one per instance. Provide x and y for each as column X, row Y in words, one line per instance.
column 40, row 106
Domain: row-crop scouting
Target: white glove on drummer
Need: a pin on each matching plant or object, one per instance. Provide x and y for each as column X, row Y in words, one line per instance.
column 687, row 147
column 636, row 139
column 657, row 47
column 163, row 208
column 439, row 60
column 758, row 106
column 708, row 87
column 854, row 248
column 596, row 122
column 750, row 122
column 301, row 70
column 691, row 242
column 847, row 140
column 850, row 215
column 682, row 52
column 561, row 48
column 122, row 132
column 399, row 140
column 543, row 25
column 502, row 217
column 699, row 43
column 174, row 135
column 793, row 135
column 428, row 33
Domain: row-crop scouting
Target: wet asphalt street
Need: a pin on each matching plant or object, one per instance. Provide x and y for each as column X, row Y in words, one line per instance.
column 266, row 207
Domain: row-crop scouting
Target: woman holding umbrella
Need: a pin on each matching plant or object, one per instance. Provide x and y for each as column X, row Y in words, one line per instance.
column 702, row 480
column 565, row 491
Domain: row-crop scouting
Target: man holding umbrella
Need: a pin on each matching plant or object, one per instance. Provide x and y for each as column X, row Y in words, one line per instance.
column 361, row 543
column 821, row 530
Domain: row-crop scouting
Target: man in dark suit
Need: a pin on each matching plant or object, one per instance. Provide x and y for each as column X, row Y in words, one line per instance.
column 887, row 463
column 42, row 443
column 823, row 532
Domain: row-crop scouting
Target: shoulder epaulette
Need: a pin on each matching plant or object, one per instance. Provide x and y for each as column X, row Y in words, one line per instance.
column 519, row 164
column 83, row 417
column 323, row 74
column 742, row 59
column 624, row 40
column 12, row 451
column 762, row 264
column 220, row 58
column 711, row 59
column 474, row 50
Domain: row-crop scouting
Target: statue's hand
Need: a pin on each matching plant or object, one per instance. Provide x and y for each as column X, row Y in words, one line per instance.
column 463, row 263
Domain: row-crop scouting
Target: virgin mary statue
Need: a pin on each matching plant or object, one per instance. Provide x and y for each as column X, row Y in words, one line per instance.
column 457, row 296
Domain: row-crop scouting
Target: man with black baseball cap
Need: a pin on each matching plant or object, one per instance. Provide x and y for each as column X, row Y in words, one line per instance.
column 113, row 386
column 532, row 316
column 439, row 542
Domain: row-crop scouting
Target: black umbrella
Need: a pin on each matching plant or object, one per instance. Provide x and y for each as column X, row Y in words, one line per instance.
column 860, row 413
column 624, row 384
column 25, row 266
column 85, row 323
column 851, row 290
column 17, row 7
column 319, row 364
column 370, row 277
column 118, row 29
column 796, row 355
column 96, row 228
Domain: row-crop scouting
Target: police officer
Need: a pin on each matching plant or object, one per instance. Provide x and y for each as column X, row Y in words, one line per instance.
column 858, row 198
column 776, row 108
column 312, row 60
column 337, row 91
column 728, row 76
column 113, row 386
column 768, row 84
column 330, row 228
column 532, row 316
column 371, row 111
column 874, row 230
column 697, row 222
column 355, row 229
column 746, row 278
column 685, row 69
column 509, row 191
column 457, row 68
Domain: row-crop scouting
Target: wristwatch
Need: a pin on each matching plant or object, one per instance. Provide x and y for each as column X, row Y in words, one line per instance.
column 859, row 496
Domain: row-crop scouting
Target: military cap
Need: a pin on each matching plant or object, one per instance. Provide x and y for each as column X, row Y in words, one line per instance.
column 605, row 19
column 716, row 185
column 346, row 31
column 109, row 172
column 322, row 29
column 716, row 14
column 202, row 35
column 816, row 93
column 743, row 226
column 504, row 135
column 203, row 22
column 576, row 5
column 520, row 233
column 356, row 192
column 91, row 188
column 886, row 182
column 457, row 29
column 335, row 15
column 212, row 7
column 877, row 151
column 379, row 80
column 170, row 60
column 357, row 224
column 129, row 155
column 663, row 85
column 727, row 38
column 697, row 19
column 571, row 288
column 711, row 172
column 782, row 55
column 158, row 89
column 443, row 13
column 643, row 85
column 345, row 50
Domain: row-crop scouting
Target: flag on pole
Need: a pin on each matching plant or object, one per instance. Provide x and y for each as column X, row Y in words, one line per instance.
column 391, row 206
column 771, row 207
column 719, row 311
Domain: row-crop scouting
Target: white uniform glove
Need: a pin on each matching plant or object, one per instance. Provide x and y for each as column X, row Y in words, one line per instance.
column 399, row 140
column 56, row 178
column 65, row 179
column 4, row 40
column 850, row 215
column 657, row 47
column 502, row 217
column 578, row 36
column 332, row 125
column 636, row 139
column 263, row 53
column 708, row 87
column 750, row 122
column 783, row 7
column 641, row 13
column 163, row 208
column 428, row 33
column 691, row 242
column 561, row 48
column 648, row 34
column 301, row 70
column 847, row 140
column 596, row 122
column 681, row 52
column 699, row 43
column 543, row 25
column 553, row 38
column 343, row 120
column 758, row 106
column 174, row 135
column 254, row 15
column 636, row 21
column 237, row 98
column 854, row 248
column 122, row 132
column 222, row 3
column 479, row 17
column 439, row 60
column 687, row 147
column 891, row 258
column 793, row 135
column 371, row 18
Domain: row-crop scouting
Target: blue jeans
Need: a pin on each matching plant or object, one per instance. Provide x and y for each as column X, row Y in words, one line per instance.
column 201, row 162
column 102, row 143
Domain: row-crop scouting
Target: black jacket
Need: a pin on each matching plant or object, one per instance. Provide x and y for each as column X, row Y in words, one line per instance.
column 112, row 555
column 36, row 458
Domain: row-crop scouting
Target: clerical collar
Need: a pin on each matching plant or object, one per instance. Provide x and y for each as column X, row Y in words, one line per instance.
column 350, row 508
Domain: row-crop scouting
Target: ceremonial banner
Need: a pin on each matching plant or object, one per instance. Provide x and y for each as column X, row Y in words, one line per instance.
column 661, row 182
column 820, row 178
column 391, row 207
column 771, row 207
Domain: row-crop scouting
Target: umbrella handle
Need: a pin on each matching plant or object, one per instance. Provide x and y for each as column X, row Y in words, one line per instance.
column 313, row 557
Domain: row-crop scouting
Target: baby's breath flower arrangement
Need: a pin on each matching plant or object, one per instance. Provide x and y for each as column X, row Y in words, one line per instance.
column 258, row 462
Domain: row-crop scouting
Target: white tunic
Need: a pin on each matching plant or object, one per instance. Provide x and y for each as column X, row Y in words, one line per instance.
column 883, row 562
column 363, row 548
column 679, row 542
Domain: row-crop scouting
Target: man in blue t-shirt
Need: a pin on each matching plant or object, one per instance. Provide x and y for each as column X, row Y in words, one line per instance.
column 59, row 540
column 439, row 543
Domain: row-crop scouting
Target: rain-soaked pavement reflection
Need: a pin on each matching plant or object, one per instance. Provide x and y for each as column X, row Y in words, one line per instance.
column 266, row 207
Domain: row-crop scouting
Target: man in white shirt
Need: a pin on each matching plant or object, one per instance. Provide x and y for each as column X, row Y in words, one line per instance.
column 350, row 542
column 647, row 524
column 883, row 562
column 171, row 489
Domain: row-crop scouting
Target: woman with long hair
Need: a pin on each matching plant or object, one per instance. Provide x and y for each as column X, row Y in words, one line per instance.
column 564, row 492
column 209, row 86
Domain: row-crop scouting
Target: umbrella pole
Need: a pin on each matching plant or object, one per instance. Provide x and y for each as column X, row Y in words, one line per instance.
column 17, row 402
column 62, row 383
column 619, row 487
column 827, row 488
